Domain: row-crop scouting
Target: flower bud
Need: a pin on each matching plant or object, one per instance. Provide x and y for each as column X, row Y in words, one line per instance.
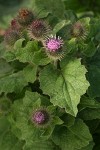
column 25, row 17
column 11, row 36
column 40, row 117
column 78, row 30
column 38, row 30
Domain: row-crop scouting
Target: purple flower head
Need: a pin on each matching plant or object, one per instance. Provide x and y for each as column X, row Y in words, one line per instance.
column 53, row 44
column 40, row 117
column 54, row 47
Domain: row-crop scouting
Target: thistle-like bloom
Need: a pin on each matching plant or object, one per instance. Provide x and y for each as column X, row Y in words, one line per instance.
column 11, row 36
column 38, row 30
column 40, row 117
column 79, row 31
column 54, row 47
column 25, row 17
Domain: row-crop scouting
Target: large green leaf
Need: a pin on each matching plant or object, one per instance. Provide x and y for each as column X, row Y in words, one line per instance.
column 2, row 49
column 30, row 53
column 60, row 25
column 30, row 73
column 74, row 137
column 87, row 102
column 5, row 104
column 26, row 53
column 9, row 56
column 90, row 114
column 89, row 109
column 55, row 7
column 66, row 86
column 12, row 83
column 94, row 28
column 8, row 141
column 40, row 58
column 9, row 81
column 94, row 79
column 42, row 145
column 88, row 49
column 5, row 68
column 88, row 147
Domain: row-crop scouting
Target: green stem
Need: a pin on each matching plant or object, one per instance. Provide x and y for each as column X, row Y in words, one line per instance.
column 55, row 63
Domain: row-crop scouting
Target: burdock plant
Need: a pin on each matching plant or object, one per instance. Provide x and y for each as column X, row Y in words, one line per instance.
column 46, row 100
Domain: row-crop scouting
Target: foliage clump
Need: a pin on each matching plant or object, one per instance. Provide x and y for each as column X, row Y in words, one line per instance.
column 50, row 80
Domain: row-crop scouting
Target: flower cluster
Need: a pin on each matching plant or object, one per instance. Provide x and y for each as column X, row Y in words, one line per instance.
column 37, row 29
column 40, row 30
